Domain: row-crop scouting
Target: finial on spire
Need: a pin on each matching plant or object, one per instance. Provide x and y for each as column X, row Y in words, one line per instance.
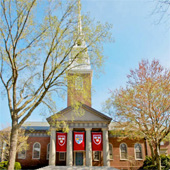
column 79, row 18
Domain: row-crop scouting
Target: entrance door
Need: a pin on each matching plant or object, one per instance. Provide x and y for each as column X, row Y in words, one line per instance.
column 79, row 158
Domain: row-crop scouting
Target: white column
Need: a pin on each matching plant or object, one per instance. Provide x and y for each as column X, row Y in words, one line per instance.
column 69, row 160
column 52, row 156
column 88, row 147
column 106, row 158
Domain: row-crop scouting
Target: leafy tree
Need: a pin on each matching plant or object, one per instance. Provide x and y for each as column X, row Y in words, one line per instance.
column 37, row 39
column 5, row 142
column 142, row 109
column 165, row 162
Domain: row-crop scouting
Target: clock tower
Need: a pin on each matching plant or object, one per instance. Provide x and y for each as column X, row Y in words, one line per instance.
column 80, row 74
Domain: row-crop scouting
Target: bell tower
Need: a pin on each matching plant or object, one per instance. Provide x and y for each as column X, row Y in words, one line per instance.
column 80, row 75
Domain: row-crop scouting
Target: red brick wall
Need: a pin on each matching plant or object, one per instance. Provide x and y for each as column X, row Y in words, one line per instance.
column 166, row 146
column 130, row 162
column 29, row 162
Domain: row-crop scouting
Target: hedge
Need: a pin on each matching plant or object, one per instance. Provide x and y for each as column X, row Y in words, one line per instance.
column 4, row 165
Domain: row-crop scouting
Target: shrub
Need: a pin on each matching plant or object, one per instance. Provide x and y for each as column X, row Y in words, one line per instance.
column 165, row 162
column 4, row 165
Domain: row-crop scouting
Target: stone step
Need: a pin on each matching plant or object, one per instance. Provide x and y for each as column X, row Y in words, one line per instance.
column 76, row 168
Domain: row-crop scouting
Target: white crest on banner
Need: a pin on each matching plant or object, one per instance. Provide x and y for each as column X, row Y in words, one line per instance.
column 78, row 138
column 61, row 140
column 97, row 139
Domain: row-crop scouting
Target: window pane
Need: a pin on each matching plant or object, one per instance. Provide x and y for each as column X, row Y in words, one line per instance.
column 48, row 151
column 123, row 149
column 138, row 151
column 36, row 151
column 61, row 156
column 110, row 151
column 22, row 154
column 96, row 155
column 36, row 154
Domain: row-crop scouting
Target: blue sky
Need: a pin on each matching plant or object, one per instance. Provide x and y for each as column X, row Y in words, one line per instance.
column 136, row 37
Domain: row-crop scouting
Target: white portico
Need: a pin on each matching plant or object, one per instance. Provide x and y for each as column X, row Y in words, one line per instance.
column 90, row 121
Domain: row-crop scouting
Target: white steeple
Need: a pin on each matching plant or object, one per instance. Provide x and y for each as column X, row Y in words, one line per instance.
column 79, row 18
column 82, row 62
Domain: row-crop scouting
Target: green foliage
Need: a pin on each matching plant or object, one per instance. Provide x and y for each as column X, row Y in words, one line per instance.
column 165, row 161
column 142, row 108
column 148, row 165
column 4, row 164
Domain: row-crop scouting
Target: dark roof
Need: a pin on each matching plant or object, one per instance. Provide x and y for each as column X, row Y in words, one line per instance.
column 36, row 126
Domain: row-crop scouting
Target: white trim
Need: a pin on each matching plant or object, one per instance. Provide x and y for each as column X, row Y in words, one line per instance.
column 141, row 152
column 121, row 152
column 48, row 151
column 24, row 155
column 112, row 151
column 64, row 156
column 33, row 151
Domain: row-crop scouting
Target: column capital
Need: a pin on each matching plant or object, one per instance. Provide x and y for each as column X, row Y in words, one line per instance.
column 52, row 129
column 88, row 129
column 70, row 129
column 105, row 129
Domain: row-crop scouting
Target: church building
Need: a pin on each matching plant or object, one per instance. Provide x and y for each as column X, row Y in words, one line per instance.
column 88, row 140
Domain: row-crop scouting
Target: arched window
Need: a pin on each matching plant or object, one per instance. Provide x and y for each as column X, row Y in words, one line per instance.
column 138, row 151
column 48, row 151
column 36, row 150
column 111, row 150
column 79, row 83
column 123, row 151
column 22, row 154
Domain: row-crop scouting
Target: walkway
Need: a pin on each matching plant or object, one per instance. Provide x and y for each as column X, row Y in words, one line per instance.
column 76, row 168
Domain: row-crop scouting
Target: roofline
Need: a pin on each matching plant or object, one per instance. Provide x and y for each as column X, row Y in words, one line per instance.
column 86, row 108
column 101, row 114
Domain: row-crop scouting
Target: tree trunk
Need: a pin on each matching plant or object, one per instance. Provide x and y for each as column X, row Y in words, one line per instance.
column 13, row 146
column 152, row 153
column 158, row 158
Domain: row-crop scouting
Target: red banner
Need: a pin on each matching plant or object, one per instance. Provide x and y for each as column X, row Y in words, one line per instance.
column 61, row 142
column 97, row 141
column 79, row 141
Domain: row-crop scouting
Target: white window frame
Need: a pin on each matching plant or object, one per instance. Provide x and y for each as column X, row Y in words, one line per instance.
column 24, row 157
column 33, row 151
column 121, row 152
column 111, row 150
column 135, row 151
column 94, row 156
column 60, row 156
column 48, row 151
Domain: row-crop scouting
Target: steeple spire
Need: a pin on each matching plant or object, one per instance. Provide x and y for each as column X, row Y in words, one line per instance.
column 82, row 61
column 79, row 18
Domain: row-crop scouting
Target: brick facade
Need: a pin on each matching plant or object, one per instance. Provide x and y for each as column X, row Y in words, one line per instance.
column 131, row 161
column 82, row 95
column 116, row 162
column 29, row 162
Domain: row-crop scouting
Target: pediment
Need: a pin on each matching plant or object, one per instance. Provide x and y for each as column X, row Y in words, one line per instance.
column 83, row 114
